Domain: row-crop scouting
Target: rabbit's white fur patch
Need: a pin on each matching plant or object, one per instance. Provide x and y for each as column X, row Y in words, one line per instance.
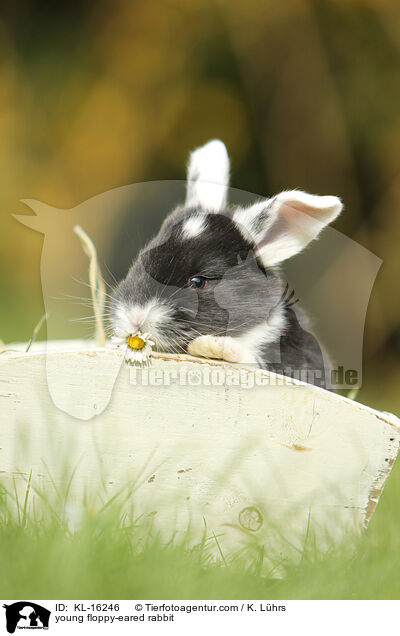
column 208, row 177
column 246, row 348
column 147, row 318
column 194, row 226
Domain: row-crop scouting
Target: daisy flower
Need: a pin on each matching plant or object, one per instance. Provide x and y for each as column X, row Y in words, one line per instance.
column 138, row 346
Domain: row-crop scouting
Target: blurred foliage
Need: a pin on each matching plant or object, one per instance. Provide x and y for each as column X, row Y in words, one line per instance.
column 305, row 94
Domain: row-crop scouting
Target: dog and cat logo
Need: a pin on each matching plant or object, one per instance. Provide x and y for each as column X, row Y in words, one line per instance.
column 26, row 615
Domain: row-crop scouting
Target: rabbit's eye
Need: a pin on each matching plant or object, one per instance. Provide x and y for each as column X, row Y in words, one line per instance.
column 198, row 282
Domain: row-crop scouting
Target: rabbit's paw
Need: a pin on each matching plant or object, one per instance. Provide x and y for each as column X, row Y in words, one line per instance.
column 223, row 348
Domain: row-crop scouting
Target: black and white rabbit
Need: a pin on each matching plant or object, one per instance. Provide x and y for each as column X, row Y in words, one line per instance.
column 209, row 283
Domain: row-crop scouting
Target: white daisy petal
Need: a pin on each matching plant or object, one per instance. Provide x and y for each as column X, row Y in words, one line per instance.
column 133, row 355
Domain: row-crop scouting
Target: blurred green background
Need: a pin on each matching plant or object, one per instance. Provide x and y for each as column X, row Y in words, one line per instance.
column 305, row 94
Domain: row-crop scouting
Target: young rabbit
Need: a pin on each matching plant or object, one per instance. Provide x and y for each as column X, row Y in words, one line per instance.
column 209, row 283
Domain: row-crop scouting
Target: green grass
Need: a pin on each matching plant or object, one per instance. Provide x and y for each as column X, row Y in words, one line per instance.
column 113, row 556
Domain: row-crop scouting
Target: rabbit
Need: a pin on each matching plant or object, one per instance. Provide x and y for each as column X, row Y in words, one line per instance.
column 209, row 284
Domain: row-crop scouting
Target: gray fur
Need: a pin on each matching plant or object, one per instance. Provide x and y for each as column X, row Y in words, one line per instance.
column 241, row 294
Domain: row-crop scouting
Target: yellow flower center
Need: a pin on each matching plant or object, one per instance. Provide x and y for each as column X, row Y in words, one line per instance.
column 135, row 342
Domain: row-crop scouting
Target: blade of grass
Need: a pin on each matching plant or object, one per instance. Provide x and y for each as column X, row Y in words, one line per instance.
column 25, row 508
column 36, row 331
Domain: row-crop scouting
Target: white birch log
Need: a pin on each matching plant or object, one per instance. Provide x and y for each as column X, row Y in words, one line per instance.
column 263, row 465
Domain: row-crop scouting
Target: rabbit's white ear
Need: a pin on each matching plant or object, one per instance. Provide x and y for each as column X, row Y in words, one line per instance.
column 282, row 226
column 208, row 177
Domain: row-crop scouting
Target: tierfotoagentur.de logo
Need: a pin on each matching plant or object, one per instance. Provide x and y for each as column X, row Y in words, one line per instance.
column 26, row 615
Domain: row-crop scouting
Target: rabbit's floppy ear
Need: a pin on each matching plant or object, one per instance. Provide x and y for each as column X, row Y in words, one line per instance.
column 208, row 177
column 282, row 226
column 45, row 215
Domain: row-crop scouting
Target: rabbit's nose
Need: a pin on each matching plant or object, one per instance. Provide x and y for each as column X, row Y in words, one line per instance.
column 137, row 325
column 137, row 319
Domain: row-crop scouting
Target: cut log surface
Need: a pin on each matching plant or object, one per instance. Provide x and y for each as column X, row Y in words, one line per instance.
column 253, row 457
